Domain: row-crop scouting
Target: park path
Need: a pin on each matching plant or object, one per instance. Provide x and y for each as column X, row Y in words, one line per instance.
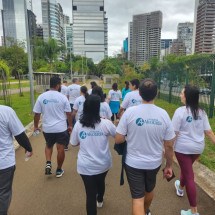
column 37, row 194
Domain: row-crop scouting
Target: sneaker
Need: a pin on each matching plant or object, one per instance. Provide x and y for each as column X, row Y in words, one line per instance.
column 48, row 169
column 188, row 212
column 148, row 212
column 59, row 173
column 179, row 192
column 66, row 148
column 99, row 204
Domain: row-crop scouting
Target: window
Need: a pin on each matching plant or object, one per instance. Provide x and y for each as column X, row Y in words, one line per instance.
column 101, row 8
column 74, row 7
column 94, row 37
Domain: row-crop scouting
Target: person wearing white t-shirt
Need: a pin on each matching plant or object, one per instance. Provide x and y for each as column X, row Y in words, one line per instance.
column 105, row 111
column 79, row 103
column 191, row 125
column 114, row 97
column 94, row 157
column 132, row 98
column 55, row 109
column 147, row 130
column 10, row 126
column 64, row 89
column 73, row 91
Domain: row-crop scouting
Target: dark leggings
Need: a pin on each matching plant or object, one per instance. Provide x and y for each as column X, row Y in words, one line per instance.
column 95, row 189
column 187, row 175
column 114, row 114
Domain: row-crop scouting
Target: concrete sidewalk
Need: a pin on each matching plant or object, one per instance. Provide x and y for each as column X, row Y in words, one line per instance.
column 37, row 194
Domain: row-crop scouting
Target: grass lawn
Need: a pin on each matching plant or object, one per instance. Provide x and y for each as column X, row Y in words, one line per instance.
column 22, row 106
column 208, row 157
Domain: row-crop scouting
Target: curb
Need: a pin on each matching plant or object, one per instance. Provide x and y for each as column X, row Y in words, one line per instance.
column 204, row 178
column 29, row 132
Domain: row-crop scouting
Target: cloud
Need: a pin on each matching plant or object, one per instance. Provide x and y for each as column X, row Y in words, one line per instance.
column 120, row 12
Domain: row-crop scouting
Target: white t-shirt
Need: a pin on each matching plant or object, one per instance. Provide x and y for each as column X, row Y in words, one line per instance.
column 190, row 139
column 132, row 98
column 90, row 91
column 10, row 126
column 53, row 106
column 115, row 95
column 79, row 105
column 105, row 111
column 94, row 155
column 64, row 90
column 74, row 92
column 146, row 127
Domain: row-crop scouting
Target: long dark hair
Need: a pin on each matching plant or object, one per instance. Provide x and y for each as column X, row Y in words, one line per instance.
column 84, row 91
column 98, row 91
column 93, row 84
column 115, row 86
column 191, row 94
column 91, row 110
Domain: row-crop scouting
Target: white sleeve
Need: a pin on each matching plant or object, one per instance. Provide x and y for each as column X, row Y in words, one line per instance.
column 74, row 140
column 169, row 133
column 125, row 102
column 67, row 105
column 177, row 119
column 122, row 127
column 37, row 107
column 109, row 113
column 120, row 95
column 75, row 106
column 206, row 123
column 109, row 94
column 15, row 126
column 110, row 128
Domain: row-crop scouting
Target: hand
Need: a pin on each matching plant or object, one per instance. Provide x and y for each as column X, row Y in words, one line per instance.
column 167, row 172
column 69, row 129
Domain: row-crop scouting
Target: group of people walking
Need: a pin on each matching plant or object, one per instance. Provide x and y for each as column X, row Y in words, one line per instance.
column 85, row 118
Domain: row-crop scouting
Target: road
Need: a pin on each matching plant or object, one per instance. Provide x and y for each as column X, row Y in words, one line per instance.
column 37, row 194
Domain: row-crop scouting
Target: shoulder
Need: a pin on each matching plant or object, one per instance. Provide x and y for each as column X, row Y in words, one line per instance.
column 7, row 109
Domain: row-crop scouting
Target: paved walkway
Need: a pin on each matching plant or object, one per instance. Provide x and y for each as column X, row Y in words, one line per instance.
column 37, row 194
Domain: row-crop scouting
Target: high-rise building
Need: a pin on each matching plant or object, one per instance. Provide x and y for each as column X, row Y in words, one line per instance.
column 125, row 48
column 14, row 24
column 40, row 31
column 130, row 36
column 68, row 36
column 90, row 28
column 53, row 21
column 145, row 37
column 165, row 48
column 32, row 24
column 178, row 47
column 185, row 33
column 205, row 26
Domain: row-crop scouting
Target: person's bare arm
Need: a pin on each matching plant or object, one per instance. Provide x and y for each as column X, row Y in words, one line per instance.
column 69, row 118
column 36, row 121
column 119, row 138
column 210, row 135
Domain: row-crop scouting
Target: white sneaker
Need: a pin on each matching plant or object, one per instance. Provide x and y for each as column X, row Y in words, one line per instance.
column 99, row 204
column 179, row 192
column 188, row 212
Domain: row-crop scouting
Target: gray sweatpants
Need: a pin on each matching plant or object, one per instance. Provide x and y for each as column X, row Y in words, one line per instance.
column 6, row 181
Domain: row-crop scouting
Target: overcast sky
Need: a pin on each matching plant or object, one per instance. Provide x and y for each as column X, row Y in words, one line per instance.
column 120, row 12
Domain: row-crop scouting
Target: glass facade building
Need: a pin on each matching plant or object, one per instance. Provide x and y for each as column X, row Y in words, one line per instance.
column 13, row 21
column 90, row 29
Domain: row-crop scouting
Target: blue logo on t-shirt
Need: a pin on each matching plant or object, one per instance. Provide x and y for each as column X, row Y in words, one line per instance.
column 134, row 101
column 45, row 101
column 83, row 135
column 140, row 122
column 189, row 119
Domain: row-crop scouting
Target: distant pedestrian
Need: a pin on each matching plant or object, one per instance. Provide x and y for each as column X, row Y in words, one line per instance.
column 10, row 126
column 114, row 97
column 125, row 90
column 55, row 109
column 132, row 98
column 93, row 84
column 147, row 130
column 191, row 125
column 64, row 89
column 94, row 157
column 105, row 111
column 79, row 104
column 74, row 91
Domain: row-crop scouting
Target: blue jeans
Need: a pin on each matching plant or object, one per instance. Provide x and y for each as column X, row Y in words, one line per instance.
column 6, row 181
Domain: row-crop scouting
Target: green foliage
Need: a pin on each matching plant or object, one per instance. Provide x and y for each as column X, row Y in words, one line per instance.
column 4, row 69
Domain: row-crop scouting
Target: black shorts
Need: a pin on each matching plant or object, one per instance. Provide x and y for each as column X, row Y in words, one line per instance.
column 141, row 181
column 61, row 138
